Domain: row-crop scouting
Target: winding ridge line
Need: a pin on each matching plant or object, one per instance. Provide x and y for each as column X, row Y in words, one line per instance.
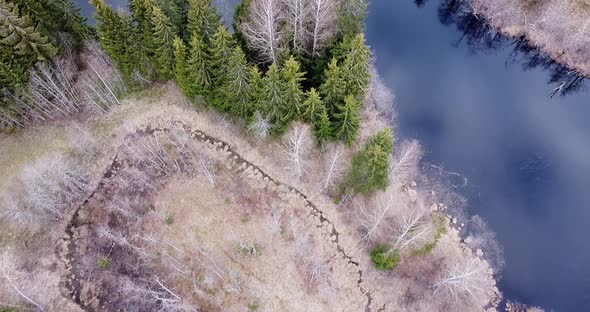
column 72, row 258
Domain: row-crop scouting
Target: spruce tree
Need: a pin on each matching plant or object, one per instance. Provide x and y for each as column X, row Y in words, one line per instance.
column 199, row 75
column 141, row 12
column 237, row 89
column 18, row 33
column 347, row 120
column 370, row 166
column 351, row 19
column 356, row 67
column 313, row 106
column 163, row 37
column 273, row 101
column 116, row 35
column 203, row 18
column 256, row 85
column 334, row 87
column 220, row 49
column 322, row 127
column 181, row 71
column 293, row 78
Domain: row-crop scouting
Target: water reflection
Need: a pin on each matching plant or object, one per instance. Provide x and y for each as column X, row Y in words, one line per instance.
column 482, row 37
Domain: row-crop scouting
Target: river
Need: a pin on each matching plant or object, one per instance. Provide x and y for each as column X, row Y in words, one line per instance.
column 525, row 156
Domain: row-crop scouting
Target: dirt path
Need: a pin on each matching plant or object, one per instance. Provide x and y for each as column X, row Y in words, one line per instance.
column 72, row 259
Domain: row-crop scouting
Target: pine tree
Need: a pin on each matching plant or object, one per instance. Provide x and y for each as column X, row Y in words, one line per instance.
column 163, row 37
column 203, row 18
column 370, row 166
column 199, row 75
column 334, row 87
column 322, row 127
column 313, row 106
column 293, row 78
column 20, row 34
column 347, row 120
column 274, row 102
column 237, row 89
column 181, row 69
column 219, row 52
column 356, row 67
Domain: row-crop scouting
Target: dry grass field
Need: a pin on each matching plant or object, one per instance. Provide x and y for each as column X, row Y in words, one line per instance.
column 182, row 210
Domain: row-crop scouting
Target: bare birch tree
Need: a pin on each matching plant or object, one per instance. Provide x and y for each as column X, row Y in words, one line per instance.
column 26, row 287
column 321, row 24
column 262, row 29
column 375, row 217
column 404, row 168
column 467, row 278
column 296, row 12
column 296, row 147
column 335, row 166
column 260, row 126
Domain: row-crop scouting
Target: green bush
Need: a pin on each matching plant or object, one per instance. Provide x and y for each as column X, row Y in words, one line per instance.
column 385, row 258
column 370, row 166
column 169, row 219
column 103, row 263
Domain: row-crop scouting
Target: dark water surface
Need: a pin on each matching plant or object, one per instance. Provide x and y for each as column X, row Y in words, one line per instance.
column 526, row 157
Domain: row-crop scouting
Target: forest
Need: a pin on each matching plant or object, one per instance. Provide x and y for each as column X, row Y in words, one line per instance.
column 163, row 161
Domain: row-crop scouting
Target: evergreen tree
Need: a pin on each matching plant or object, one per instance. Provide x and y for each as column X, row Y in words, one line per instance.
column 356, row 67
column 181, row 69
column 219, row 52
column 370, row 166
column 313, row 106
column 274, row 102
column 237, row 89
column 199, row 75
column 55, row 16
column 163, row 37
column 351, row 19
column 347, row 120
column 116, row 35
column 18, row 33
column 141, row 12
column 334, row 87
column 256, row 85
column 293, row 77
column 322, row 127
column 203, row 18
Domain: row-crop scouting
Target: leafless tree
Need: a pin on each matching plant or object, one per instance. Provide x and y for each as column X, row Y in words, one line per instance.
column 321, row 24
column 467, row 278
column 260, row 125
column 405, row 165
column 151, row 153
column 295, row 16
column 51, row 88
column 262, row 29
column 155, row 292
column 480, row 237
column 19, row 282
column 335, row 166
column 82, row 141
column 296, row 146
column 375, row 217
column 43, row 190
column 413, row 229
column 380, row 97
column 100, row 85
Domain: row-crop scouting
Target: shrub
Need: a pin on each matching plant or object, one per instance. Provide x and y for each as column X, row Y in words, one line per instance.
column 441, row 229
column 103, row 263
column 370, row 166
column 169, row 219
column 384, row 257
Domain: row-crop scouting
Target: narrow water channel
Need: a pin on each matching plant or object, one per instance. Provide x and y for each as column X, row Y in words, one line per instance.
column 526, row 156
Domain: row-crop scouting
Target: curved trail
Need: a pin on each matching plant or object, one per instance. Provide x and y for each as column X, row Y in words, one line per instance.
column 72, row 258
